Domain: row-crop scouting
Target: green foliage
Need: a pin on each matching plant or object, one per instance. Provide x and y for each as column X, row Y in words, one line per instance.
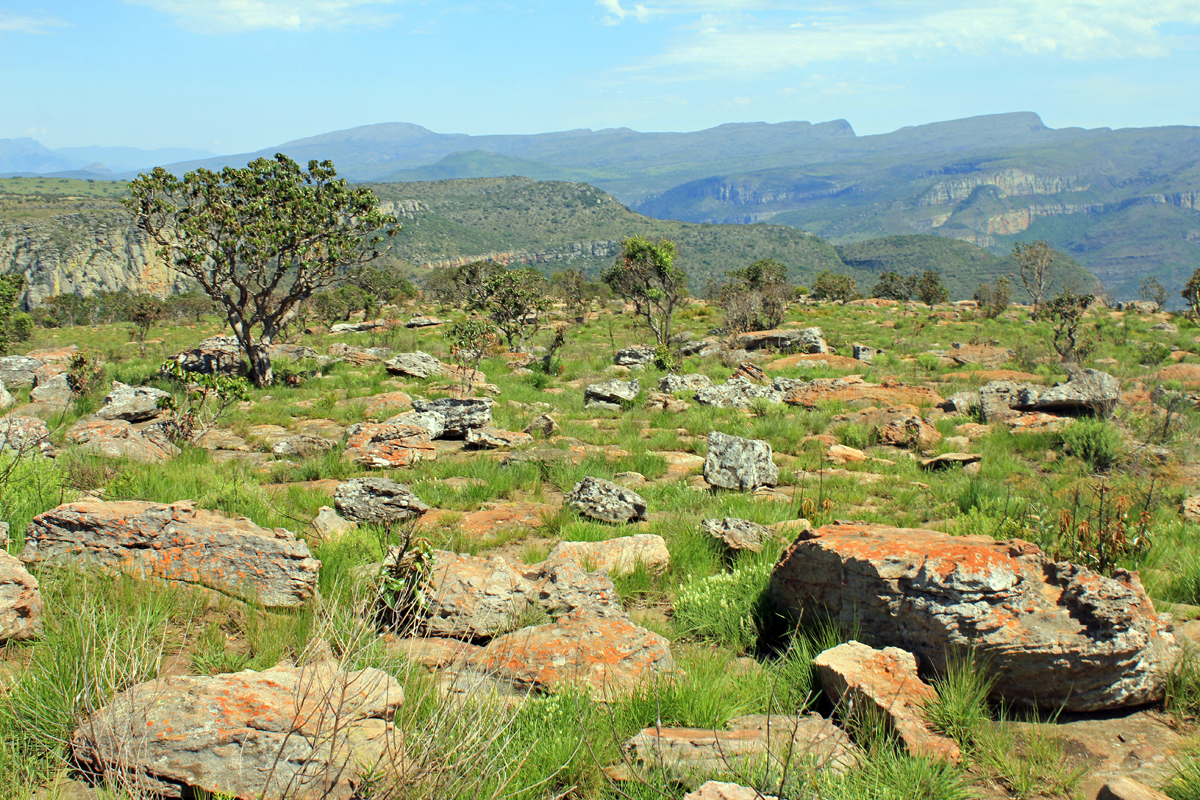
column 1035, row 266
column 961, row 708
column 1153, row 353
column 755, row 298
column 930, row 290
column 403, row 583
column 1191, row 294
column 1066, row 312
column 728, row 607
column 469, row 341
column 1098, row 531
column 11, row 287
column 1152, row 291
column 1096, row 441
column 893, row 286
column 515, row 302
column 832, row 286
column 199, row 401
column 259, row 240
column 645, row 275
column 994, row 298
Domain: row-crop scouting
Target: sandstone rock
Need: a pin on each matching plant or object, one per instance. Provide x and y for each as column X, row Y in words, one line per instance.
column 610, row 394
column 377, row 501
column 303, row 733
column 1128, row 789
column 1191, row 509
column 433, row 652
column 303, row 446
column 738, row 534
column 700, row 347
column 473, row 597
column 610, row 655
column 132, row 403
column 416, row 365
column 606, row 501
column 423, row 322
column 854, row 675
column 330, row 525
column 863, row 353
column 960, row 403
column 950, row 459
column 489, row 520
column 54, row 391
column 215, row 355
column 736, row 463
column 458, row 415
column 911, row 432
column 1088, row 390
column 20, row 600
column 25, row 435
column 5, row 541
column 620, row 556
column 665, row 402
column 634, row 356
column 720, row 790
column 489, row 438
column 630, row 480
column 119, row 439
column 17, row 371
column 383, row 445
column 737, row 393
column 359, row 355
column 221, row 439
column 808, row 340
column 6, row 399
column 988, row 355
column 428, row 420
column 379, row 403
column 542, row 425
column 748, row 370
column 291, row 352
column 693, row 382
column 357, row 327
column 1055, row 633
column 854, row 389
column 749, row 744
column 1002, row 400
column 844, row 454
column 177, row 543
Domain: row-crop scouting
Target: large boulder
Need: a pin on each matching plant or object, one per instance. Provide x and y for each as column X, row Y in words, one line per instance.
column 457, row 415
column 854, row 676
column 416, row 365
column 132, row 403
column 610, row 395
column 216, row 355
column 692, row 382
column 6, row 399
column 381, row 444
column 606, row 501
column 1003, row 400
column 737, row 393
column 1089, row 391
column 116, row 438
column 1055, row 634
column 20, row 601
column 807, row 340
column 736, row 463
column 178, row 543
column 53, row 390
column 18, row 371
column 377, row 501
column 635, row 356
column 297, row 733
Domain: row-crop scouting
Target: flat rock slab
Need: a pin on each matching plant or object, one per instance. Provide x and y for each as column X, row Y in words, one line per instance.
column 950, row 459
column 854, row 389
column 488, row 521
column 489, row 438
column 608, row 654
column 178, row 543
column 721, row 790
column 855, row 676
column 119, row 439
column 132, row 403
column 377, row 501
column 284, row 733
column 1055, row 634
column 749, row 744
column 620, row 556
column 383, row 445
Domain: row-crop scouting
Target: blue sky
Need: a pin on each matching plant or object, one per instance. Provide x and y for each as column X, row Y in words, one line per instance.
column 239, row 75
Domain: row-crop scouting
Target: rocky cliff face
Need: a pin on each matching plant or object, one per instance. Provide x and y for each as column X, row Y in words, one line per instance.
column 82, row 253
column 564, row 255
column 1008, row 183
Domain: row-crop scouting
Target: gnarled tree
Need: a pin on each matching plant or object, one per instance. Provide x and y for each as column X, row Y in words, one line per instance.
column 261, row 239
column 645, row 275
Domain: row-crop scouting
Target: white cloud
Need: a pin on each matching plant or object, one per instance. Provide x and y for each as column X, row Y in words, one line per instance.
column 236, row 16
column 13, row 23
column 617, row 13
column 753, row 36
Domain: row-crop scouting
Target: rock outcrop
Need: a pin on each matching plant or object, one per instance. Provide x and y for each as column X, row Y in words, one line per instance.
column 416, row 365
column 178, row 543
column 377, row 501
column 457, row 415
column 20, row 601
column 606, row 501
column 609, row 396
column 741, row 464
column 384, row 444
column 116, row 438
column 132, row 403
column 1055, row 634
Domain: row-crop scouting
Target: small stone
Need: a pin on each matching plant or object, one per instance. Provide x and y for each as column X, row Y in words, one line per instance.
column 543, row 426
column 330, row 525
column 738, row 534
column 1128, row 789
column 736, row 463
column 606, row 501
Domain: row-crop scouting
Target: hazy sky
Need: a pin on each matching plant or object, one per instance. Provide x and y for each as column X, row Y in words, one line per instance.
column 238, row 75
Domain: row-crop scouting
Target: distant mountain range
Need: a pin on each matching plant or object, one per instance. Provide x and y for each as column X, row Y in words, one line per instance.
column 28, row 157
column 1124, row 203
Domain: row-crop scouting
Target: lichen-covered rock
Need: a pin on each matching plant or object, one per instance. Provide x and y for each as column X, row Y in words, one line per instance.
column 606, row 501
column 473, row 597
column 1089, row 391
column 132, row 403
column 737, row 393
column 736, row 463
column 1055, row 634
column 611, row 394
column 621, row 556
column 1003, row 400
column 52, row 390
column 17, row 371
column 692, row 382
column 854, row 675
column 738, row 534
column 807, row 340
column 387, row 445
column 542, row 425
column 634, row 356
column 377, row 501
column 116, row 438
column 328, row 524
column 302, row 733
column 909, row 432
column 215, row 355
column 416, row 364
column 864, row 353
column 178, row 543
column 457, row 415
column 303, row 446
column 20, row 600
column 6, row 399
column 25, row 435
column 489, row 438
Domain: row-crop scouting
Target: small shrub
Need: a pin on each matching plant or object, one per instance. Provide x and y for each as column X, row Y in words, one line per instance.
column 728, row 607
column 1153, row 353
column 1095, row 441
column 857, row 435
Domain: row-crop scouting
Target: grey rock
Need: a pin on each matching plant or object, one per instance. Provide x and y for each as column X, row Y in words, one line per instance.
column 132, row 403
column 291, row 352
column 357, row 327
column 25, row 435
column 610, row 394
column 864, row 353
column 634, row 356
column 116, row 438
column 738, row 534
column 300, row 733
column 17, row 371
column 1089, row 390
column 458, row 415
column 1165, row 327
column 433, row 422
column 737, row 393
column 416, row 365
column 423, row 322
column 330, row 525
column 377, row 501
column 6, row 399
column 1001, row 400
column 807, row 340
column 303, row 446
column 960, row 403
column 736, row 463
column 606, row 501
column 20, row 599
column 216, row 355
column 542, row 425
column 178, row 543
column 490, row 438
column 701, row 347
column 684, row 383
column 53, row 391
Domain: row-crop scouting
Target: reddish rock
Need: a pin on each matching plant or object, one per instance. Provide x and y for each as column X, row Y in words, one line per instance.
column 751, row 372
column 813, row 359
column 379, row 403
column 116, row 438
column 1191, row 509
column 720, row 790
column 911, row 432
column 986, row 375
column 487, row 521
column 855, row 389
column 178, row 543
column 610, row 655
column 1127, row 789
column 433, row 652
column 61, row 355
column 387, row 445
column 490, row 438
column 1056, row 634
column 854, row 675
column 1186, row 374
column 841, row 454
column 661, row 401
column 20, row 601
column 300, row 734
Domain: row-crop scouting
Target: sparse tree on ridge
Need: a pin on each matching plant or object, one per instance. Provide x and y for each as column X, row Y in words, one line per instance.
column 645, row 275
column 930, row 289
column 1035, row 262
column 1152, row 291
column 260, row 239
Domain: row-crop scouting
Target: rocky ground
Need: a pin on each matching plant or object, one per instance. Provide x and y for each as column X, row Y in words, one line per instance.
column 882, row 551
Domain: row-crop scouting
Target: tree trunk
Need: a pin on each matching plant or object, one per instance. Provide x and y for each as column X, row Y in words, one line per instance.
column 260, row 366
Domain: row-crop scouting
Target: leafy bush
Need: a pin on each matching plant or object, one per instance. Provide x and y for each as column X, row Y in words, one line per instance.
column 832, row 286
